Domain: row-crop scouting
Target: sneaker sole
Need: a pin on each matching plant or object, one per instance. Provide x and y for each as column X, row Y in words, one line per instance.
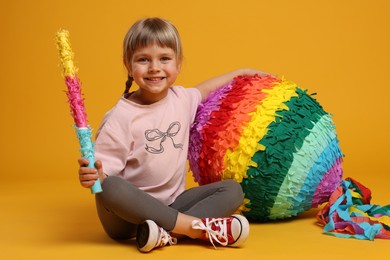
column 146, row 236
column 244, row 231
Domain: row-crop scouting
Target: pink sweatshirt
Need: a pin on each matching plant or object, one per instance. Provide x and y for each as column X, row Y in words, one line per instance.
column 147, row 145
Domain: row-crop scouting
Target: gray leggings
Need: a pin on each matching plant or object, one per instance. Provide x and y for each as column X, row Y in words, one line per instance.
column 122, row 206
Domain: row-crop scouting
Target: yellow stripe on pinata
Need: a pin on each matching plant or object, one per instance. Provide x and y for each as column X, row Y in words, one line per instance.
column 243, row 208
column 66, row 53
column 238, row 161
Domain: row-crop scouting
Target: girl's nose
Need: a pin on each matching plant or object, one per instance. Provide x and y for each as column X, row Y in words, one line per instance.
column 154, row 66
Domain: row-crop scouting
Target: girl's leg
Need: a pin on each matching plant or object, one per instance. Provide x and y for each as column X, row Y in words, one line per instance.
column 216, row 199
column 183, row 226
column 115, row 227
column 122, row 206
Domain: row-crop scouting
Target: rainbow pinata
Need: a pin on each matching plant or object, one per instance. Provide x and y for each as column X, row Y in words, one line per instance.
column 274, row 139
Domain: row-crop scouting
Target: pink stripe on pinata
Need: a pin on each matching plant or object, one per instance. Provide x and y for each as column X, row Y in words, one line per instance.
column 328, row 184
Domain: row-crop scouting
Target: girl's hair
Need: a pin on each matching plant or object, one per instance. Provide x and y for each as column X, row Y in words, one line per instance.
column 146, row 32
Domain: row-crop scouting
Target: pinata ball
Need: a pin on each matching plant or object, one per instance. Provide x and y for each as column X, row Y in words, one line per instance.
column 274, row 139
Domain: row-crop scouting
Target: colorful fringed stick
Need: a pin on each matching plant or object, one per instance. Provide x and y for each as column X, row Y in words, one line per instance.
column 76, row 102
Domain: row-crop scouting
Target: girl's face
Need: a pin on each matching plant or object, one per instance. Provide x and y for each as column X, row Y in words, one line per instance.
column 154, row 69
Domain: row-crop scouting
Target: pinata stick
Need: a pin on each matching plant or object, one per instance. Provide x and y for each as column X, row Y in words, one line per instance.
column 76, row 102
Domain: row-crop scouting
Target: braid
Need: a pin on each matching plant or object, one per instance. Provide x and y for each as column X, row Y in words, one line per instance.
column 129, row 82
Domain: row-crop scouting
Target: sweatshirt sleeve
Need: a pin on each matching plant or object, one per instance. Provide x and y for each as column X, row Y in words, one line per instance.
column 112, row 146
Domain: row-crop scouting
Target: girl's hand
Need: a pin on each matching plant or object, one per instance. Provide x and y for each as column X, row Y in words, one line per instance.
column 252, row 72
column 87, row 175
column 212, row 84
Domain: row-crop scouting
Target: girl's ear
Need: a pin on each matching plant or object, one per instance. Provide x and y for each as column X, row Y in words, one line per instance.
column 128, row 68
column 178, row 67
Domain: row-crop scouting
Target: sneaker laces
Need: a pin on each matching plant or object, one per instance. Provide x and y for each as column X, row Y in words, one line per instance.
column 165, row 238
column 220, row 236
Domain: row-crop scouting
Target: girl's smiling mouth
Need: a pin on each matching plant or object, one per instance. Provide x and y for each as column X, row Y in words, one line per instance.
column 155, row 78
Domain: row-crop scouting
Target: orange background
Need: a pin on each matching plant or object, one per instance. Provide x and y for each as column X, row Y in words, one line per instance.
column 338, row 49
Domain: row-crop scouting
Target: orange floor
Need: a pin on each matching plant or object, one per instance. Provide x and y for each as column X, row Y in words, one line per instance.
column 49, row 220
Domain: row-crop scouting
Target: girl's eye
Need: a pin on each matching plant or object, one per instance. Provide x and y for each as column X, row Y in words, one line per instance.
column 165, row 58
column 142, row 60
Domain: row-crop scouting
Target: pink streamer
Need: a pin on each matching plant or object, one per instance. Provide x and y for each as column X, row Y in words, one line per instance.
column 76, row 102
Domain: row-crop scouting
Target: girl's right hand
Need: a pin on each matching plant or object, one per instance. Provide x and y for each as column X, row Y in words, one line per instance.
column 88, row 176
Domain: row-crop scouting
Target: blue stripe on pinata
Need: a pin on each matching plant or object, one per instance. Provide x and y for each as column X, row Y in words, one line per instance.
column 323, row 164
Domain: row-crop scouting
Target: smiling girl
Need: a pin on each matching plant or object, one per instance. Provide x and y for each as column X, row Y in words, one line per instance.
column 141, row 151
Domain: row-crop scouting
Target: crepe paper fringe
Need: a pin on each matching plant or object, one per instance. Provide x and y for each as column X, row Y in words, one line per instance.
column 293, row 145
column 205, row 110
column 65, row 52
column 273, row 138
column 224, row 127
column 76, row 102
column 87, row 147
column 74, row 93
column 329, row 182
column 239, row 159
column 349, row 213
column 299, row 180
column 329, row 162
column 285, row 136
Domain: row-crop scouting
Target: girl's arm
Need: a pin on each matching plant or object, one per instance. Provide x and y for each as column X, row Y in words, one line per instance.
column 209, row 85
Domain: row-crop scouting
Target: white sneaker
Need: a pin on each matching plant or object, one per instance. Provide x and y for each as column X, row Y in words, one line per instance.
column 150, row 236
column 227, row 231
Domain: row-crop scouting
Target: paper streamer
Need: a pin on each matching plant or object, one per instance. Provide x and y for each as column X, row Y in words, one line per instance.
column 76, row 102
column 349, row 214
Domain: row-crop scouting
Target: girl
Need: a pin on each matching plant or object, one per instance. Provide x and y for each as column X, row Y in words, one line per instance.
column 142, row 144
